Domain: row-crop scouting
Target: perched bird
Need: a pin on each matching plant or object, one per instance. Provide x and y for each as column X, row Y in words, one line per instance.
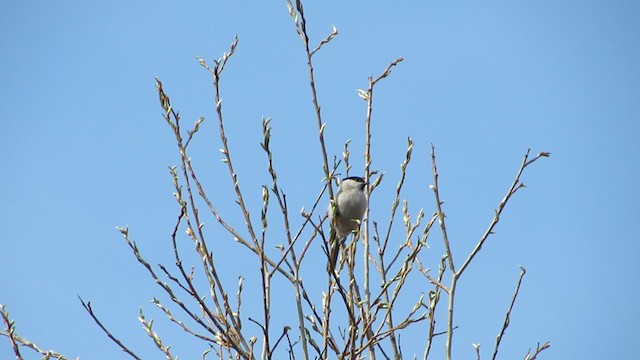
column 346, row 213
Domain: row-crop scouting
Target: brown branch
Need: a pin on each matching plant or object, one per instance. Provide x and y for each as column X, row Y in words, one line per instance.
column 387, row 71
column 515, row 186
column 434, row 298
column 216, row 72
column 209, row 269
column 507, row 317
column 285, row 332
column 169, row 290
column 396, row 201
column 366, row 304
column 10, row 331
column 87, row 306
column 46, row 354
column 148, row 328
column 539, row 349
column 301, row 27
column 445, row 238
column 170, row 316
column 441, row 216
column 326, row 40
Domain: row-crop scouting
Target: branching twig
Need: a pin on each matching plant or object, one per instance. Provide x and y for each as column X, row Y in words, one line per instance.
column 441, row 215
column 148, row 328
column 372, row 325
column 10, row 331
column 301, row 27
column 515, row 186
column 46, row 354
column 449, row 255
column 184, row 327
column 366, row 306
column 539, row 349
column 326, row 40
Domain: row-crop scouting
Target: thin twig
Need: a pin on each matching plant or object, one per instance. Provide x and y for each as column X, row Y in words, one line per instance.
column 434, row 298
column 169, row 290
column 366, row 305
column 507, row 316
column 515, row 186
column 87, row 306
column 285, row 332
column 148, row 328
column 387, row 71
column 539, row 349
column 441, row 215
column 221, row 322
column 326, row 40
column 10, row 331
column 170, row 316
column 449, row 255
column 301, row 27
column 46, row 354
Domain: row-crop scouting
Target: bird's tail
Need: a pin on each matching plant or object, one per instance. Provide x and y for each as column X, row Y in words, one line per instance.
column 334, row 250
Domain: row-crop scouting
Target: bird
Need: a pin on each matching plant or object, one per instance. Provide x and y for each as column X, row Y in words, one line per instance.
column 346, row 210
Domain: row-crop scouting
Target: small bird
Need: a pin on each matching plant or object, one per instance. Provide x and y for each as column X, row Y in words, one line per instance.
column 349, row 206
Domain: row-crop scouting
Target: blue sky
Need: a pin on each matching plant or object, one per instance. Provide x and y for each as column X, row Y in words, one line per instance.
column 84, row 148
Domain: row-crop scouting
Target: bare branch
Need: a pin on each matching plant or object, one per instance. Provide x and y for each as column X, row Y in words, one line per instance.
column 326, row 40
column 366, row 304
column 515, row 186
column 148, row 328
column 441, row 217
column 10, row 331
column 301, row 27
column 87, row 306
column 538, row 350
column 507, row 317
column 387, row 71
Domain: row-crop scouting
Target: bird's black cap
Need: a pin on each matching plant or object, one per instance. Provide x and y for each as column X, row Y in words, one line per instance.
column 354, row 178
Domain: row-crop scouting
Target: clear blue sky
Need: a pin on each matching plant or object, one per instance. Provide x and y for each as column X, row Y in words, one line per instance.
column 84, row 148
